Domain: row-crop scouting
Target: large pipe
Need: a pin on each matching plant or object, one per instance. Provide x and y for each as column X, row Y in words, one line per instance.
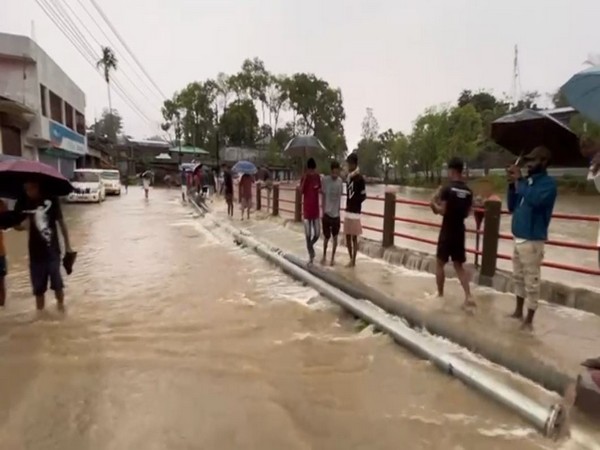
column 528, row 366
column 548, row 419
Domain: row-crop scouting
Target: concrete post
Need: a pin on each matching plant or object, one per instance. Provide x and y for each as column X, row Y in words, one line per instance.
column 275, row 199
column 389, row 219
column 491, row 229
column 298, row 206
column 258, row 197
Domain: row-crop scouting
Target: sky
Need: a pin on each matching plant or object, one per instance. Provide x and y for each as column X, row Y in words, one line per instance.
column 397, row 57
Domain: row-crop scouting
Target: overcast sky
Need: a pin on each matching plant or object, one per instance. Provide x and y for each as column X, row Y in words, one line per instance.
column 395, row 56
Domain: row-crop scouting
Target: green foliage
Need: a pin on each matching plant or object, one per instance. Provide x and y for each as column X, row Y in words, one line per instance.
column 228, row 107
column 109, row 125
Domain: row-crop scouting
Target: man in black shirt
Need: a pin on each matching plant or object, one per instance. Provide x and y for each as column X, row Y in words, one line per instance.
column 453, row 202
column 228, row 188
column 356, row 193
column 45, row 217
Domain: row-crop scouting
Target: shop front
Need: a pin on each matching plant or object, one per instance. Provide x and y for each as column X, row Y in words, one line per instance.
column 66, row 146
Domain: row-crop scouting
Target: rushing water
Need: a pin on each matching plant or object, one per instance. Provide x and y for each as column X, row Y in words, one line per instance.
column 174, row 338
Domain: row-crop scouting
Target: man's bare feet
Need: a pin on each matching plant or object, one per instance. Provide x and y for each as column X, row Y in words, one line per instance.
column 516, row 315
column 528, row 327
column 350, row 264
column 323, row 261
column 332, row 263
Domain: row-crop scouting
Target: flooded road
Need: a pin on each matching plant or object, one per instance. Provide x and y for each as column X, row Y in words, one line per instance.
column 175, row 338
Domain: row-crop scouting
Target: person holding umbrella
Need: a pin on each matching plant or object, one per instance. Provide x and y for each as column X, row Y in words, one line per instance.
column 310, row 186
column 531, row 202
column 36, row 187
column 247, row 170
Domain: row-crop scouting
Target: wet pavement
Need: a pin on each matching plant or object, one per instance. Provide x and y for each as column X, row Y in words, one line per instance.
column 175, row 338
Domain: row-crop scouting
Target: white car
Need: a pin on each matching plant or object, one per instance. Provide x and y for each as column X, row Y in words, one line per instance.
column 112, row 181
column 88, row 187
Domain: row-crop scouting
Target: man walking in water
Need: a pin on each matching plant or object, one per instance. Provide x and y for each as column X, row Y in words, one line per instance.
column 228, row 188
column 45, row 217
column 332, row 197
column 245, row 194
column 453, row 202
column 146, row 178
column 356, row 193
column 310, row 186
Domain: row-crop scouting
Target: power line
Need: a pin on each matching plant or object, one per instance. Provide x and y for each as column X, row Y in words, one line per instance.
column 115, row 47
column 68, row 17
column 81, row 48
column 114, row 30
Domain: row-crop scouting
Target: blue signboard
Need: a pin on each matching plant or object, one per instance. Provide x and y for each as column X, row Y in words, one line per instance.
column 66, row 139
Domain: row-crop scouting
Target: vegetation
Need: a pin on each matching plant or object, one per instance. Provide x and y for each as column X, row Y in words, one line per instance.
column 108, row 62
column 109, row 126
column 254, row 107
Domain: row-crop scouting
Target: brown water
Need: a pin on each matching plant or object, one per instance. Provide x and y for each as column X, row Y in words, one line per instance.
column 560, row 230
column 174, row 338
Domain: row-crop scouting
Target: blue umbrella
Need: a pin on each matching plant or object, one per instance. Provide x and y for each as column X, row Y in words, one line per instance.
column 583, row 92
column 245, row 168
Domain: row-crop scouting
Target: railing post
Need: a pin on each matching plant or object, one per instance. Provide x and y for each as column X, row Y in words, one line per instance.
column 275, row 199
column 389, row 219
column 478, row 214
column 491, row 230
column 258, row 199
column 298, row 206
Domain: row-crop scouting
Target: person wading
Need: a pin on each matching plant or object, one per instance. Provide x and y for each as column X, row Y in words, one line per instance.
column 453, row 202
column 310, row 186
column 531, row 202
column 228, row 188
column 44, row 248
column 356, row 194
column 245, row 194
column 332, row 197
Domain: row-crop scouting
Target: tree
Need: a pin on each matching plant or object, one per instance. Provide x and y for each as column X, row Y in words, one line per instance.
column 464, row 127
column 254, row 78
column 276, row 96
column 400, row 157
column 239, row 124
column 196, row 100
column 108, row 63
column 369, row 149
column 110, row 125
column 559, row 100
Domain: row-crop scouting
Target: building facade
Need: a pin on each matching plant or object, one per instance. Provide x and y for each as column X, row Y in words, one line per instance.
column 41, row 108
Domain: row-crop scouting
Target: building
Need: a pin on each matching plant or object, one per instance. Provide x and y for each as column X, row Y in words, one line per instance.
column 41, row 108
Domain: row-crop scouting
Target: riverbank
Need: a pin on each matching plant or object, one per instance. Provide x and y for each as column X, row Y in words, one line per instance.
column 567, row 184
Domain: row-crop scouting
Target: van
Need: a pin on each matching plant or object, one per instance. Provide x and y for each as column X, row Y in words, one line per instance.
column 88, row 186
column 112, row 181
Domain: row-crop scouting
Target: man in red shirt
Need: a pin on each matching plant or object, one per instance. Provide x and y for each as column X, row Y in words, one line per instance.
column 310, row 186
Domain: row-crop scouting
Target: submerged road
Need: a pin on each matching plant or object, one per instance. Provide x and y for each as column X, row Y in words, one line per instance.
column 175, row 338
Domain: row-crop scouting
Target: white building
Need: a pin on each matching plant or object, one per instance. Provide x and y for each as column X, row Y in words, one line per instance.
column 41, row 108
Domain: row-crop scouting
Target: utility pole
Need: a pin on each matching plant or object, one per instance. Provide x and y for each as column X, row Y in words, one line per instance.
column 178, row 136
column 516, row 81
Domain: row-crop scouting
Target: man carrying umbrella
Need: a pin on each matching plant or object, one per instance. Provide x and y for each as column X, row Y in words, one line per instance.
column 531, row 202
column 45, row 218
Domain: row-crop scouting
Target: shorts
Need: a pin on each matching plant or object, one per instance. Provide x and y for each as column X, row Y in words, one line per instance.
column 451, row 246
column 352, row 224
column 229, row 197
column 3, row 268
column 43, row 271
column 331, row 226
column 246, row 203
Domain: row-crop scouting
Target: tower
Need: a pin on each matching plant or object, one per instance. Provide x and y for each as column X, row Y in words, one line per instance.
column 516, row 81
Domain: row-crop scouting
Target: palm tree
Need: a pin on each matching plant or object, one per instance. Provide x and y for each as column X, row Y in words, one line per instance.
column 108, row 63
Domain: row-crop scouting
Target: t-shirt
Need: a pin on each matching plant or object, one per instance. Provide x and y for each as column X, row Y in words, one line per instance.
column 459, row 199
column 311, row 188
column 332, row 192
column 228, row 181
column 43, row 234
column 356, row 193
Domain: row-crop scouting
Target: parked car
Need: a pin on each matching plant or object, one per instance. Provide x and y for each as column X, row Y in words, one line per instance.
column 111, row 179
column 88, row 187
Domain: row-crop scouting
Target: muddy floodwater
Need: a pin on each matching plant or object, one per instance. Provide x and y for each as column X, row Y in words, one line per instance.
column 175, row 338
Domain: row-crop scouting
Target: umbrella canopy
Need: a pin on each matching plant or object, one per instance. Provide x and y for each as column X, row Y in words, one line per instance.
column 304, row 146
column 244, row 168
column 15, row 172
column 521, row 132
column 583, row 92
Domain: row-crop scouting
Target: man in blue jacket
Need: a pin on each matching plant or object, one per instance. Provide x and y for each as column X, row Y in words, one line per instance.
column 531, row 201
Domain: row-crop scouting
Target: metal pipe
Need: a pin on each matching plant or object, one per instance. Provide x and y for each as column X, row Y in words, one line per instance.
column 548, row 419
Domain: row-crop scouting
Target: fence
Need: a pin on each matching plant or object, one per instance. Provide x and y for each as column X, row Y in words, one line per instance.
column 487, row 230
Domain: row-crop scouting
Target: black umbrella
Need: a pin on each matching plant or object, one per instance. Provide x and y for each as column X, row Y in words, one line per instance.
column 521, row 132
column 15, row 172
